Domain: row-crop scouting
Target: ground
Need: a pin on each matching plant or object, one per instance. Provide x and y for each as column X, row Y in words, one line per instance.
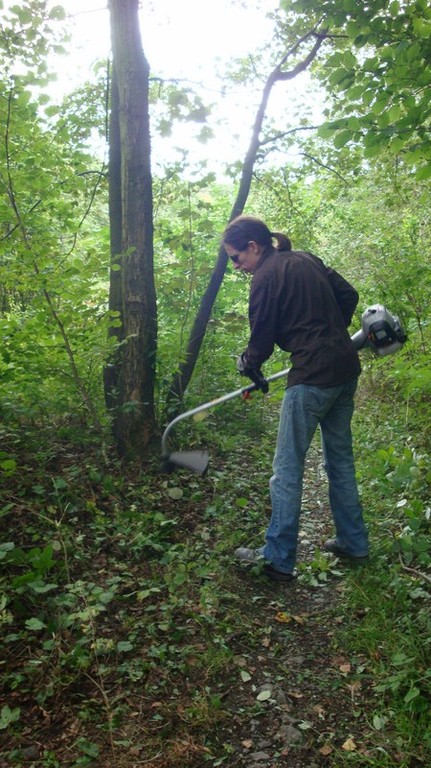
column 158, row 650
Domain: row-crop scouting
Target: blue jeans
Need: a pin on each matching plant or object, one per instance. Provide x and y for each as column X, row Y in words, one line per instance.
column 304, row 408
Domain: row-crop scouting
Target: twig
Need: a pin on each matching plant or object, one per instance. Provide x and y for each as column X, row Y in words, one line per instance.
column 414, row 571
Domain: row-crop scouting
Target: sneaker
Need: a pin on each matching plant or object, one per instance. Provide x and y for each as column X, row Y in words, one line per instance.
column 275, row 575
column 333, row 546
column 246, row 555
column 254, row 557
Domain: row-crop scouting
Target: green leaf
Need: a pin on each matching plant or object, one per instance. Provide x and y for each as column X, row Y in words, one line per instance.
column 124, row 645
column 342, row 138
column 379, row 722
column 42, row 587
column 395, row 113
column 413, row 693
column 241, row 502
column 35, row 625
column 8, row 465
column 175, row 493
column 6, row 547
column 424, row 172
column 8, row 716
column 264, row 695
column 422, row 28
column 88, row 747
column 381, row 104
column 57, row 13
column 325, row 131
column 397, row 144
column 24, row 14
column 353, row 123
column 372, row 151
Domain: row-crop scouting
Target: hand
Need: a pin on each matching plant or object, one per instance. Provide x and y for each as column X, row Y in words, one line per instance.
column 255, row 374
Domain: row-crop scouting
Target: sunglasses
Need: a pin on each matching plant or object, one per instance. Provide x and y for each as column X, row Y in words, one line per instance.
column 235, row 258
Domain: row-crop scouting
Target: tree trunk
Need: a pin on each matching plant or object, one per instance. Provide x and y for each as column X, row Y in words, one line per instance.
column 129, row 382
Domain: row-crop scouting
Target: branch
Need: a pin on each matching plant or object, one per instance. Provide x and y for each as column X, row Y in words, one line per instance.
column 305, row 63
column 282, row 134
column 414, row 571
column 327, row 167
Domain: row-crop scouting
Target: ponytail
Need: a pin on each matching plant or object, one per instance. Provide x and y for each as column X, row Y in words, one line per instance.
column 283, row 242
column 242, row 229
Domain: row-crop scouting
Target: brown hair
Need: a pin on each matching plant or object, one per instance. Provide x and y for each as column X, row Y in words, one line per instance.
column 245, row 228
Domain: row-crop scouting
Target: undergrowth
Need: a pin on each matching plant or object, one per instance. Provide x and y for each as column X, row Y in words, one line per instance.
column 124, row 624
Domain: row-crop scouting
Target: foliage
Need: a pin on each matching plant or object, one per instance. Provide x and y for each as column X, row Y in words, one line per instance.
column 52, row 294
column 119, row 601
column 29, row 32
column 378, row 75
column 394, row 632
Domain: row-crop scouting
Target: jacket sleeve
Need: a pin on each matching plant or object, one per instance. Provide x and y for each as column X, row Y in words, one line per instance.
column 262, row 313
column 347, row 297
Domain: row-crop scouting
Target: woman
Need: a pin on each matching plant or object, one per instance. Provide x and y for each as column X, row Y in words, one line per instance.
column 305, row 308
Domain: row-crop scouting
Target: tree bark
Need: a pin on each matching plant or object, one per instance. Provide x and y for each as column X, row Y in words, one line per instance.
column 129, row 382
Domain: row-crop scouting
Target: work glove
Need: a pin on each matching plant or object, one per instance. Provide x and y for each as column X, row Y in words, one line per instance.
column 255, row 374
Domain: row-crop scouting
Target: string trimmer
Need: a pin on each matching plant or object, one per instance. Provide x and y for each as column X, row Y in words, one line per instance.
column 380, row 331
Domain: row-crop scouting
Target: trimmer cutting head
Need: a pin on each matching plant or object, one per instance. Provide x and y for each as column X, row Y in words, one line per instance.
column 195, row 461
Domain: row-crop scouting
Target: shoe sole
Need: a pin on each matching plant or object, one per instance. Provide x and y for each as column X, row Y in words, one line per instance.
column 349, row 558
column 282, row 578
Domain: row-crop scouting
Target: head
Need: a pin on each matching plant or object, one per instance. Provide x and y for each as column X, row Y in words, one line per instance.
column 246, row 239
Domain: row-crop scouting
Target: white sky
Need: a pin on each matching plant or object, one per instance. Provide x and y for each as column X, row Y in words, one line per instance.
column 180, row 37
column 188, row 39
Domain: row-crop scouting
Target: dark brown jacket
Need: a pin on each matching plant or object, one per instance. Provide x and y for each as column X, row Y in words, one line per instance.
column 304, row 307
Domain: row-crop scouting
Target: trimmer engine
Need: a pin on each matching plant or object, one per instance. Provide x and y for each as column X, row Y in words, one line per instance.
column 380, row 331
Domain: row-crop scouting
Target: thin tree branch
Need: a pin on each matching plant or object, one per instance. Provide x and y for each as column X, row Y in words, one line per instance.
column 414, row 571
column 327, row 167
column 283, row 134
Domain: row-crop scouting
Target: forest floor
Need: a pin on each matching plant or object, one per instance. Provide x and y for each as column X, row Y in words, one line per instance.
column 142, row 643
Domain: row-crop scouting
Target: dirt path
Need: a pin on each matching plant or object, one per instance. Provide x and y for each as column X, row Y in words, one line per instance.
column 295, row 701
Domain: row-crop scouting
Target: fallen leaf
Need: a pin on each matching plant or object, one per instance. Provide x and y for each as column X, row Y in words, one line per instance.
column 326, row 750
column 283, row 617
column 295, row 694
column 175, row 493
column 299, row 619
column 318, row 709
column 264, row 695
column 201, row 416
column 345, row 668
column 349, row 745
column 247, row 743
column 245, row 676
